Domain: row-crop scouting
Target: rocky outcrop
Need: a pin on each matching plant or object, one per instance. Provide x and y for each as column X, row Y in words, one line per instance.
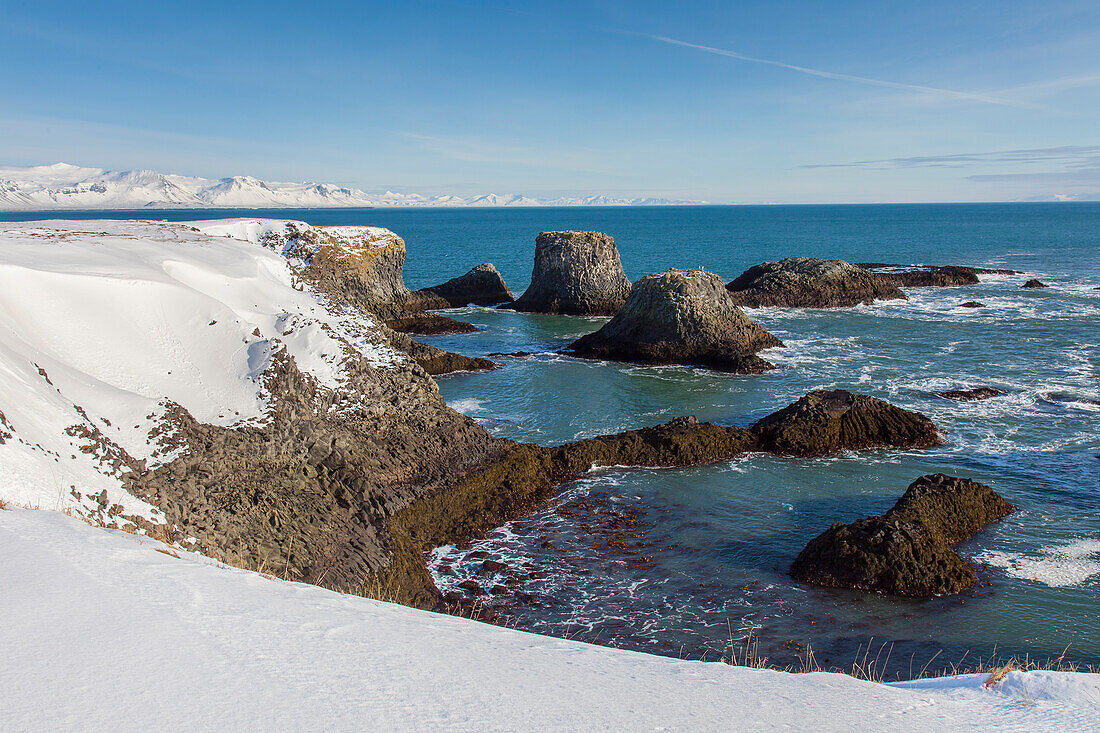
column 681, row 317
column 482, row 285
column 809, row 282
column 436, row 361
column 575, row 273
column 1035, row 284
column 971, row 395
column 907, row 551
column 926, row 276
column 825, row 422
column 528, row 475
column 429, row 324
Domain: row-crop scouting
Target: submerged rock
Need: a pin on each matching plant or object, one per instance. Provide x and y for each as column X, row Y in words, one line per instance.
column 907, row 551
column 482, row 285
column 575, row 273
column 972, row 304
column 681, row 317
column 809, row 282
column 971, row 395
column 825, row 422
column 929, row 276
column 1035, row 284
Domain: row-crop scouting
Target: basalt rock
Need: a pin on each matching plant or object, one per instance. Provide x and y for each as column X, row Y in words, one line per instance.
column 482, row 285
column 971, row 395
column 529, row 475
column 927, row 276
column 575, row 273
column 809, row 282
column 429, row 324
column 1035, row 284
column 436, row 361
column 907, row 551
column 825, row 422
column 681, row 317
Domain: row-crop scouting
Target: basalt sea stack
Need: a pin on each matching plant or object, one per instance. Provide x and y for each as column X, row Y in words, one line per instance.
column 907, row 551
column 482, row 285
column 809, row 282
column 575, row 273
column 681, row 317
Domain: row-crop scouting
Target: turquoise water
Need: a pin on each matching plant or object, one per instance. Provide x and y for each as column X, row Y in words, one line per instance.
column 716, row 540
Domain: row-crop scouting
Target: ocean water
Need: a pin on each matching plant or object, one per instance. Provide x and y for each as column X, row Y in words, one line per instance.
column 679, row 561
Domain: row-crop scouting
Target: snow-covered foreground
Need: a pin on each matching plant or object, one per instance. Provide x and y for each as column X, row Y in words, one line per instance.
column 100, row 631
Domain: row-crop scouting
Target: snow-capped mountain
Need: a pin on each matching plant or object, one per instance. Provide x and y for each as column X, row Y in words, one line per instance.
column 64, row 186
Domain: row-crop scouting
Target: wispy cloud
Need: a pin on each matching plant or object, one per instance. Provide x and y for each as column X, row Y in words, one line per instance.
column 1074, row 156
column 949, row 93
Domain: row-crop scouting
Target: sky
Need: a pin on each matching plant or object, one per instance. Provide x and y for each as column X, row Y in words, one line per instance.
column 789, row 101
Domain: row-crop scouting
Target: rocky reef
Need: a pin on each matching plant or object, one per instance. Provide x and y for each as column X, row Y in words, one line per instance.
column 482, row 285
column 825, row 422
column 972, row 304
column 927, row 276
column 907, row 551
column 971, row 395
column 1035, row 284
column 428, row 324
column 681, row 317
column 575, row 273
column 809, row 282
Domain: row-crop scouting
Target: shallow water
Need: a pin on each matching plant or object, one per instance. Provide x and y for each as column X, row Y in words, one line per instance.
column 712, row 543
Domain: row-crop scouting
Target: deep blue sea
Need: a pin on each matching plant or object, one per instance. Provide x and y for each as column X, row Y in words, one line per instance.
column 713, row 543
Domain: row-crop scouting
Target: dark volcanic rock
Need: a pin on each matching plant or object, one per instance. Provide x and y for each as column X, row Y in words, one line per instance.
column 972, row 304
column 436, row 361
column 575, row 273
column 482, row 285
column 429, row 324
column 971, row 395
column 681, row 317
column 927, row 276
column 907, row 551
column 1035, row 284
column 809, row 282
column 825, row 422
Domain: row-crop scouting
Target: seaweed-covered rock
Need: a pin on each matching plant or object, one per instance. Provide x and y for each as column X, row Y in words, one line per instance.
column 907, row 551
column 482, row 285
column 1035, row 284
column 429, row 324
column 809, row 282
column 928, row 276
column 575, row 273
column 681, row 317
column 971, row 395
column 825, row 422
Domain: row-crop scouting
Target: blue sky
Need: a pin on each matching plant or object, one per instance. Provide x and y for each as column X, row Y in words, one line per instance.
column 796, row 101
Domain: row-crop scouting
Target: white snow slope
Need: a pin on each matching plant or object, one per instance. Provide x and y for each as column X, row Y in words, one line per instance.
column 103, row 323
column 64, row 186
column 99, row 631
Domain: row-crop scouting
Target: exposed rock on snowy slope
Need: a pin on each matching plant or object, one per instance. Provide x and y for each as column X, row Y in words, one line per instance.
column 681, row 317
column 907, row 551
column 63, row 186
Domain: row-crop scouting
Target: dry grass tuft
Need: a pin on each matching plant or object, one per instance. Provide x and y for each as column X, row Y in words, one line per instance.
column 166, row 552
column 998, row 673
column 3, row 504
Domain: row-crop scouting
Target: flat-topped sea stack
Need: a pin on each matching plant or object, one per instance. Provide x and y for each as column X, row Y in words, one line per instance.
column 482, row 285
column 575, row 273
column 826, row 421
column 681, row 317
column 809, row 282
column 907, row 551
column 929, row 276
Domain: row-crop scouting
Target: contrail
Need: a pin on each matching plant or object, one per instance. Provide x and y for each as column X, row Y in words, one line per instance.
column 831, row 74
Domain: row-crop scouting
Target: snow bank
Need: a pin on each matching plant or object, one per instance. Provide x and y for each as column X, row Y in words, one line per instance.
column 104, row 323
column 102, row 632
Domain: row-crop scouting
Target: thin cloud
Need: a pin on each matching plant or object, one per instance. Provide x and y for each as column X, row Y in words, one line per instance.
column 950, row 93
column 1071, row 155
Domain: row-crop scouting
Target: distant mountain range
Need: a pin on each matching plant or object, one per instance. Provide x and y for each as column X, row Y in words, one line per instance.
column 64, row 186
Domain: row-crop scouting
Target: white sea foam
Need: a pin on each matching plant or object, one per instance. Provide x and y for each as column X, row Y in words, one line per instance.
column 467, row 406
column 1059, row 566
